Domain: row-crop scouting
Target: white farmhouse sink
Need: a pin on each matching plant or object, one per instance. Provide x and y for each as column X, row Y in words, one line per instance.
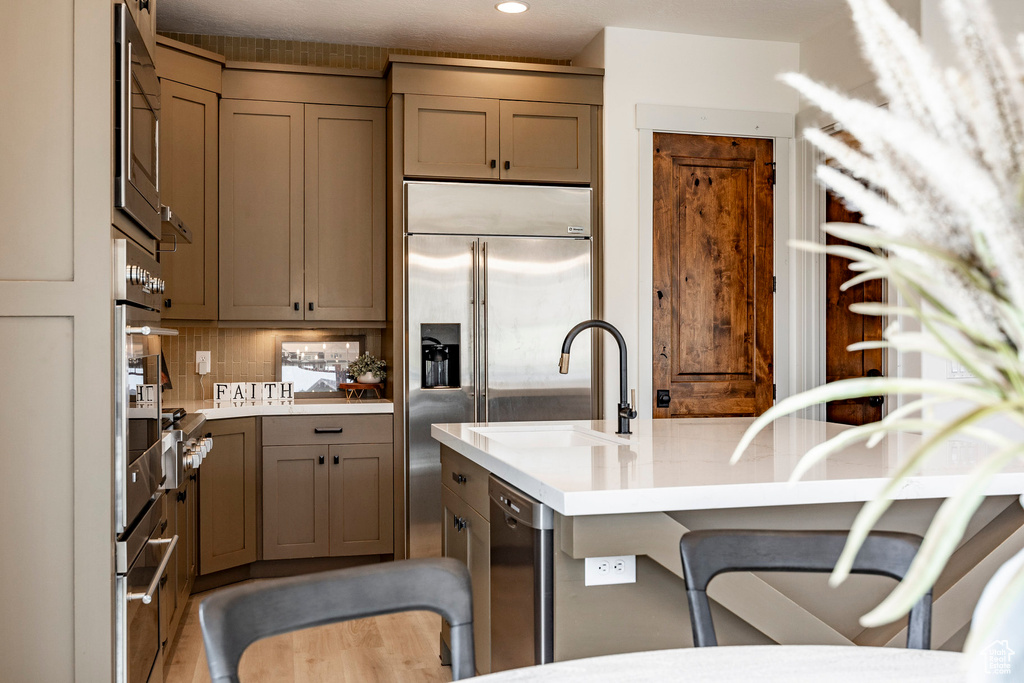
column 553, row 436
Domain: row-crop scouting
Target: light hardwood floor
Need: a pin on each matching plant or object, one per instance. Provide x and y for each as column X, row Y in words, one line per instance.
column 397, row 647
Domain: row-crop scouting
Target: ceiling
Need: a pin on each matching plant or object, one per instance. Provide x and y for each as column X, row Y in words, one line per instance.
column 553, row 29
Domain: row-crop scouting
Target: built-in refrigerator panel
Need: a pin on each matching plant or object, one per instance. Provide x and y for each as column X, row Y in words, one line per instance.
column 441, row 270
column 533, row 290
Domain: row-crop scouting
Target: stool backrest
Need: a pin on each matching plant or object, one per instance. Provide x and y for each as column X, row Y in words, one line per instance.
column 234, row 618
column 706, row 554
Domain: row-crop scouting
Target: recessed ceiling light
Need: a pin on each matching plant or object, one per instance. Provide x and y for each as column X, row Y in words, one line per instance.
column 514, row 7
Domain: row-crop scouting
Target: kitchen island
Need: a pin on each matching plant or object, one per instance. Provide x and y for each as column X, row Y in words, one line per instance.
column 636, row 495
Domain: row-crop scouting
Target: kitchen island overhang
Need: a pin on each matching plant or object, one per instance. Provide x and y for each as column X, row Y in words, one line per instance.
column 683, row 464
column 637, row 496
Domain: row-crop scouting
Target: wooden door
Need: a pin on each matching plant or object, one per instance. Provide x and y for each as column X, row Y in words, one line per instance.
column 712, row 275
column 295, row 507
column 188, row 184
column 843, row 328
column 451, row 137
column 361, row 499
column 261, row 211
column 545, row 142
column 227, row 497
column 344, row 235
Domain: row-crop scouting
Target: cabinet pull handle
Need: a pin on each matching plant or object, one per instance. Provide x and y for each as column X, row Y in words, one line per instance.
column 296, row 305
column 321, row 460
column 459, row 523
column 311, row 305
column 458, row 478
column 167, row 303
column 337, row 459
column 494, row 163
column 508, row 165
column 327, row 430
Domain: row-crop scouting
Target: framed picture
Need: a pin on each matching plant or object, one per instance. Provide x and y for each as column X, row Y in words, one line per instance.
column 316, row 365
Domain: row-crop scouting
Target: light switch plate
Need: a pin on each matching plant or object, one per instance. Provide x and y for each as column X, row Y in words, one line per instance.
column 604, row 571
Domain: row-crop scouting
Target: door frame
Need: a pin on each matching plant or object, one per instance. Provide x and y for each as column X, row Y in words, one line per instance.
column 791, row 369
column 810, row 196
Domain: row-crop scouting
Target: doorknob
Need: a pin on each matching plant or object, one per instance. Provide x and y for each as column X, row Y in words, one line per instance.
column 875, row 401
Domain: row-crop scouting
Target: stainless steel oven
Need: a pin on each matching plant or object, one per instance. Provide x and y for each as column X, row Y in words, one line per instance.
column 141, row 551
column 142, row 557
column 137, row 126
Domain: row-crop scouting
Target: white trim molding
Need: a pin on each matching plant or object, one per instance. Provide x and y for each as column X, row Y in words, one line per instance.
column 799, row 283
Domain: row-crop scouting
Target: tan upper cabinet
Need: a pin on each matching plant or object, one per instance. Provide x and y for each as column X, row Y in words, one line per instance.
column 143, row 13
column 545, row 141
column 476, row 138
column 188, row 178
column 451, row 137
column 344, row 209
column 302, row 212
column 261, row 210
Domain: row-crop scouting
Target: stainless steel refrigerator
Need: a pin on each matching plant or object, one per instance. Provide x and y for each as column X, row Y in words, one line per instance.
column 496, row 277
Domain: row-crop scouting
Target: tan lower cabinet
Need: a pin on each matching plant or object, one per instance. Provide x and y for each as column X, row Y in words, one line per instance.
column 295, row 507
column 227, row 497
column 176, row 584
column 333, row 495
column 466, row 536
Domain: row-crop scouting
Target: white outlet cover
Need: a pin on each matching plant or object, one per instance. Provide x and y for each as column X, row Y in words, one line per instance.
column 203, row 356
column 602, row 571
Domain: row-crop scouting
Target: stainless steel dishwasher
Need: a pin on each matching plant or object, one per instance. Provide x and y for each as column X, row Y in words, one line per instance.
column 522, row 542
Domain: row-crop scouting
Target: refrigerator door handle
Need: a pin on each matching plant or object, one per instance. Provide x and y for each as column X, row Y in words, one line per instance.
column 473, row 336
column 484, row 333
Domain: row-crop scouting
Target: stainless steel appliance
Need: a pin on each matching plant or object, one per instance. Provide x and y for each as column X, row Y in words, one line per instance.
column 136, row 125
column 141, row 552
column 495, row 276
column 522, row 543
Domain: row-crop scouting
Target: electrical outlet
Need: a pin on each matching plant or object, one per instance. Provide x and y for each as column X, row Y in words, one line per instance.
column 202, row 362
column 602, row 571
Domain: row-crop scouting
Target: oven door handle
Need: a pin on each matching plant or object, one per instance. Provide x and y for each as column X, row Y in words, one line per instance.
column 148, row 329
column 147, row 597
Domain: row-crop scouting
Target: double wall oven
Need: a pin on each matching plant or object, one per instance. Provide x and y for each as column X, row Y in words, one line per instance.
column 143, row 550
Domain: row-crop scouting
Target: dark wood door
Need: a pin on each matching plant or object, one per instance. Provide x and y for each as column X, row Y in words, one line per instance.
column 843, row 328
column 712, row 275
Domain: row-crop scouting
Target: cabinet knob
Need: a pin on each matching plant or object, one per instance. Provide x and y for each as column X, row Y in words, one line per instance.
column 459, row 523
column 311, row 305
column 337, row 460
column 458, row 478
column 321, row 460
column 508, row 165
column 494, row 163
column 297, row 307
column 167, row 303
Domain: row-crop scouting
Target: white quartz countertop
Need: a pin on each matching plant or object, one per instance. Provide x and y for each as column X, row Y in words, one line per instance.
column 302, row 406
column 584, row 468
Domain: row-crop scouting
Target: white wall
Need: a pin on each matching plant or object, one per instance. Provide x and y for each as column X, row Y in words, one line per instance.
column 652, row 67
column 1010, row 18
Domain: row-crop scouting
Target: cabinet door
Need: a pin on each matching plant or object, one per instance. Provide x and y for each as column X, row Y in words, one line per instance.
column 192, row 533
column 451, row 137
column 188, row 184
column 543, row 141
column 261, row 210
column 466, row 537
column 345, row 240
column 181, row 568
column 227, row 497
column 295, row 520
column 361, row 505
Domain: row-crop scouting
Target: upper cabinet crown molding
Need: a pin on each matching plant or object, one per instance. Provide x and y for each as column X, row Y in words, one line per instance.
column 495, row 80
column 304, row 84
column 181, row 62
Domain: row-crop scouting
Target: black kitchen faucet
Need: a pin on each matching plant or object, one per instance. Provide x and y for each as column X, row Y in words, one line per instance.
column 626, row 411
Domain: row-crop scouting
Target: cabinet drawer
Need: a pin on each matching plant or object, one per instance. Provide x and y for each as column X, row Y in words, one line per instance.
column 334, row 429
column 466, row 479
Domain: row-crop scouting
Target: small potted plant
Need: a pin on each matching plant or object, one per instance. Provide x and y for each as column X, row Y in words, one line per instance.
column 367, row 369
